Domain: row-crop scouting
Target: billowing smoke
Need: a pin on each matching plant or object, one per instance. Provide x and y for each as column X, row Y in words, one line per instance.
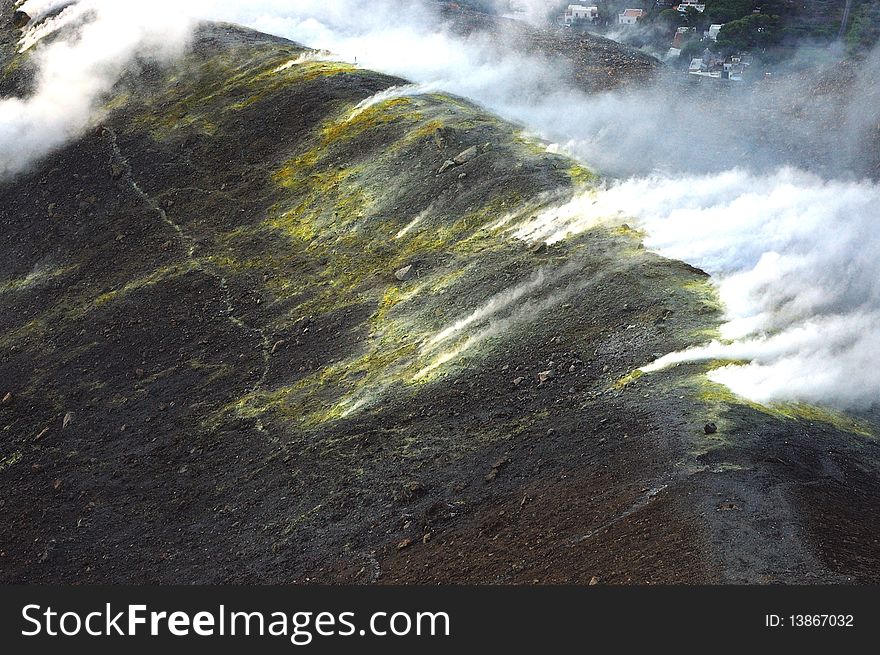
column 375, row 36
column 794, row 258
column 77, row 66
column 670, row 126
column 712, row 174
column 534, row 11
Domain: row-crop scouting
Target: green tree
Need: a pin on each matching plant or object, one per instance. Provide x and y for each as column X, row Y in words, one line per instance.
column 756, row 31
column 726, row 11
column 864, row 30
column 669, row 19
column 693, row 18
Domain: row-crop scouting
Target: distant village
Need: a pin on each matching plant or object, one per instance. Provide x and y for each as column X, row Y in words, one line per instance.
column 731, row 41
column 708, row 64
column 724, row 40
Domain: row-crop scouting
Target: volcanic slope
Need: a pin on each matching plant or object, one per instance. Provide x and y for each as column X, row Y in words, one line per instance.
column 250, row 333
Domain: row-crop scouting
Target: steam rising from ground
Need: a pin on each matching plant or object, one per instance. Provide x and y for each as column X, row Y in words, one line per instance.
column 794, row 255
column 77, row 70
column 533, row 11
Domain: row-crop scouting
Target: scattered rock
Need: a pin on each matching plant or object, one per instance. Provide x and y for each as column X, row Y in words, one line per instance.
column 277, row 346
column 546, row 376
column 594, row 581
column 415, row 490
column 439, row 511
column 404, row 273
column 68, row 419
column 42, row 434
column 728, row 507
column 466, row 156
column 426, row 538
column 440, row 138
column 518, row 381
column 497, row 467
column 406, row 543
column 539, row 248
column 711, row 428
column 20, row 19
column 57, row 485
column 7, row 399
column 446, row 166
column 502, row 463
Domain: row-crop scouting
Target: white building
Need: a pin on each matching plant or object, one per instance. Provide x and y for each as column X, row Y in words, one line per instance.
column 695, row 4
column 630, row 16
column 576, row 13
column 713, row 32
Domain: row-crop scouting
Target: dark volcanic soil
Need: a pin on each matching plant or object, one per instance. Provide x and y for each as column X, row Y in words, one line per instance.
column 221, row 370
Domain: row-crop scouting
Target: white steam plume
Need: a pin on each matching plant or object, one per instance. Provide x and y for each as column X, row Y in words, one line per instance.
column 795, row 260
column 77, row 67
column 535, row 11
